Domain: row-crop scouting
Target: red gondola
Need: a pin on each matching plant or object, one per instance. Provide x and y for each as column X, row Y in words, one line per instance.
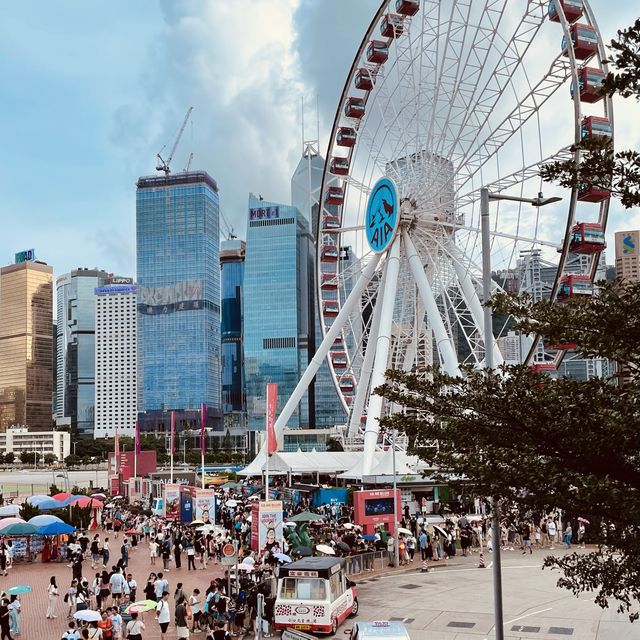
column 591, row 193
column 338, row 342
column 391, row 26
column 329, row 253
column 572, row 286
column 346, row 137
column 335, row 195
column 560, row 346
column 590, row 81
column 572, row 10
column 584, row 40
column 364, row 79
column 349, row 400
column 330, row 223
column 339, row 166
column 328, row 281
column 347, row 384
column 543, row 367
column 354, row 108
column 407, row 7
column 339, row 359
column 330, row 308
column 587, row 238
column 595, row 127
column 377, row 51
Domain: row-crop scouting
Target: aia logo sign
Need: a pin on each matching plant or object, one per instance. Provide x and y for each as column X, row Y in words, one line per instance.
column 382, row 215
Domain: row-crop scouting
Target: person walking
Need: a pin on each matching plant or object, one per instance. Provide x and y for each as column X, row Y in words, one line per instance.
column 166, row 553
column 124, row 553
column 195, row 604
column 160, row 586
column 182, row 614
column 153, row 551
column 177, row 548
column 4, row 620
column 70, row 597
column 105, row 553
column 191, row 556
column 96, row 556
column 52, row 591
column 134, row 627
column 568, row 535
column 14, row 615
column 551, row 531
column 163, row 614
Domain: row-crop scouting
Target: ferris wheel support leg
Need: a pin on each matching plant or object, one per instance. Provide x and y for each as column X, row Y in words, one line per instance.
column 473, row 301
column 350, row 303
column 367, row 365
column 445, row 347
column 382, row 348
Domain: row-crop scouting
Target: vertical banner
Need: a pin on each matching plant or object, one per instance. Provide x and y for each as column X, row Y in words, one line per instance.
column 203, row 426
column 116, row 450
column 255, row 525
column 171, row 501
column 270, row 526
column 186, row 504
column 205, row 506
column 272, row 403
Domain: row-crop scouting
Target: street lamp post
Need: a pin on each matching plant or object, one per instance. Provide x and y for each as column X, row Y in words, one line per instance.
column 485, row 197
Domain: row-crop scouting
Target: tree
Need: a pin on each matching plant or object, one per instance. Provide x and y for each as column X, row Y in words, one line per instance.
column 28, row 511
column 72, row 460
column 540, row 443
column 50, row 458
column 600, row 166
column 9, row 458
column 334, row 445
column 28, row 457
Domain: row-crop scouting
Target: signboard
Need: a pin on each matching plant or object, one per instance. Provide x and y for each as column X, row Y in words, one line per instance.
column 255, row 521
column 181, row 296
column 626, row 243
column 376, row 507
column 186, row 504
column 171, row 502
column 383, row 215
column 112, row 288
column 270, row 526
column 264, row 213
column 119, row 280
column 292, row 634
column 28, row 255
column 230, row 554
column 204, row 506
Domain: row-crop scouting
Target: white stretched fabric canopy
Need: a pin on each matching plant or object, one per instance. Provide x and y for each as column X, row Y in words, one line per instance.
column 303, row 462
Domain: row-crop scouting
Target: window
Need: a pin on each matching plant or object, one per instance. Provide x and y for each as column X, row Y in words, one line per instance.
column 303, row 589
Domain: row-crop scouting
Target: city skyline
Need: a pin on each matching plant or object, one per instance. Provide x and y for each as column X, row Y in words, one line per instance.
column 89, row 135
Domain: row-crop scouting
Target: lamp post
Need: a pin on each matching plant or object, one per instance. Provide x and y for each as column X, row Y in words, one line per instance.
column 485, row 197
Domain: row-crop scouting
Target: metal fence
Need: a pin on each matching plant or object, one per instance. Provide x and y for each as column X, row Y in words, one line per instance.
column 363, row 562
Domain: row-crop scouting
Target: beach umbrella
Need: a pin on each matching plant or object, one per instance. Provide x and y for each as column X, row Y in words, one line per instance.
column 63, row 495
column 5, row 522
column 196, row 523
column 289, row 524
column 232, row 503
column 246, row 567
column 55, row 529
column 19, row 529
column 86, row 501
column 37, row 499
column 282, row 557
column 50, row 503
column 303, row 552
column 99, row 496
column 21, row 588
column 117, row 497
column 306, row 516
column 43, row 520
column 141, row 606
column 88, row 615
column 9, row 510
column 440, row 530
column 326, row 549
column 343, row 546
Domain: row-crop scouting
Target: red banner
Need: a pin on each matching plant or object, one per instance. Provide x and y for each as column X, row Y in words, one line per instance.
column 272, row 403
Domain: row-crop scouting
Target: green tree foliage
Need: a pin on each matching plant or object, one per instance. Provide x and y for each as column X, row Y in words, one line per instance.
column 541, row 443
column 9, row 458
column 28, row 511
column 600, row 165
column 50, row 458
column 334, row 445
column 28, row 457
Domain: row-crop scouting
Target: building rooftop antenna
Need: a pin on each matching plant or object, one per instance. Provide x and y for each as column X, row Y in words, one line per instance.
column 163, row 165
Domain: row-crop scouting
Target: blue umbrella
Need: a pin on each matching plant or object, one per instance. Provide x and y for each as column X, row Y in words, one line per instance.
column 37, row 499
column 368, row 536
column 50, row 503
column 43, row 520
column 21, row 588
column 55, row 529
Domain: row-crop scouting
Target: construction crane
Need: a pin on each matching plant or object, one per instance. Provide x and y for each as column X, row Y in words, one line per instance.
column 163, row 165
column 188, row 163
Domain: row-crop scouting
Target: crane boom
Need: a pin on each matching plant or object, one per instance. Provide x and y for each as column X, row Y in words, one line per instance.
column 163, row 165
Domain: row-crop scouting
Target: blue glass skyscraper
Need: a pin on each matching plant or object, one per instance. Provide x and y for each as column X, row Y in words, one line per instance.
column 178, row 272
column 278, row 319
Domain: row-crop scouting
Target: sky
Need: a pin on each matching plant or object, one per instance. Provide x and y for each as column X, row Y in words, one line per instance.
column 90, row 92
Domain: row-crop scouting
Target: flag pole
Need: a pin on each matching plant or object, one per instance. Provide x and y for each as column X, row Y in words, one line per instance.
column 203, row 438
column 173, row 429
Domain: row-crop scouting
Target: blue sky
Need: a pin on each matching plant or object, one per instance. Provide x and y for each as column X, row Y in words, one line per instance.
column 90, row 92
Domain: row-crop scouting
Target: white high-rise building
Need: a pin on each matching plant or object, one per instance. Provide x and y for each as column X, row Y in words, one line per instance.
column 116, row 353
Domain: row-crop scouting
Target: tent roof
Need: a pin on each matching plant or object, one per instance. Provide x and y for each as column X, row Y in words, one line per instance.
column 303, row 462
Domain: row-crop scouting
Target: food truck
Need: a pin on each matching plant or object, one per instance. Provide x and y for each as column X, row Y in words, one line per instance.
column 314, row 594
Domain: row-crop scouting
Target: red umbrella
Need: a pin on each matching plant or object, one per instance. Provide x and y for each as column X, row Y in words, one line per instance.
column 131, row 532
column 63, row 495
column 86, row 501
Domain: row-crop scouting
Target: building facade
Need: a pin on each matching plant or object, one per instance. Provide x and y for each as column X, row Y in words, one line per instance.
column 19, row 440
column 178, row 273
column 278, row 309
column 232, row 254
column 26, row 345
column 628, row 255
column 116, row 358
column 76, row 349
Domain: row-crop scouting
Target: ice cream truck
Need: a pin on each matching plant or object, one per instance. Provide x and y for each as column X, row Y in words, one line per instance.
column 314, row 594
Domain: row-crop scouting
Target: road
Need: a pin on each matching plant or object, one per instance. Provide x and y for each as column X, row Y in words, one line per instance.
column 456, row 603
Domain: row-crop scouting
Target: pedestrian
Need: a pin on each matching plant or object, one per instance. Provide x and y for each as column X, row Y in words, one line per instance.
column 52, row 591
column 135, row 627
column 551, row 530
column 160, row 586
column 390, row 550
column 191, row 556
column 106, row 626
column 116, row 623
column 124, row 554
column 105, row 553
column 178, row 594
column 182, row 616
column 96, row 556
column 177, row 548
column 14, row 615
column 195, row 604
column 3, row 558
column 4, row 620
column 132, row 585
column 568, row 534
column 163, row 614
column 166, row 553
column 70, row 597
column 153, row 551
column 71, row 633
column 150, row 588
column 581, row 531
column 105, row 589
column 526, row 538
column 116, row 582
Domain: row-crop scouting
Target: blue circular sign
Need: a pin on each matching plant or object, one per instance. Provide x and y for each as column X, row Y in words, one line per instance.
column 382, row 215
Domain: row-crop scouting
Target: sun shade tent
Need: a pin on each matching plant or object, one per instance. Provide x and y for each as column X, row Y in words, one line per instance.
column 303, row 463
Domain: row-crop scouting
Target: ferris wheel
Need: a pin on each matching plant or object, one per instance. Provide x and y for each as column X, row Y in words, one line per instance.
column 443, row 98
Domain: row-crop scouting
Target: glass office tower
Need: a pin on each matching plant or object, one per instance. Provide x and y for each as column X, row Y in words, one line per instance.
column 278, row 306
column 26, row 371
column 75, row 349
column 178, row 272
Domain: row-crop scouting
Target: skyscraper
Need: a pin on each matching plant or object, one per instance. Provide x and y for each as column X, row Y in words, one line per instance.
column 178, row 273
column 305, row 195
column 116, row 358
column 75, row 349
column 26, row 345
column 628, row 255
column 278, row 306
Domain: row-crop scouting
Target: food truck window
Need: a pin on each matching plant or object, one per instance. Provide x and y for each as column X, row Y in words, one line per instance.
column 303, row 589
